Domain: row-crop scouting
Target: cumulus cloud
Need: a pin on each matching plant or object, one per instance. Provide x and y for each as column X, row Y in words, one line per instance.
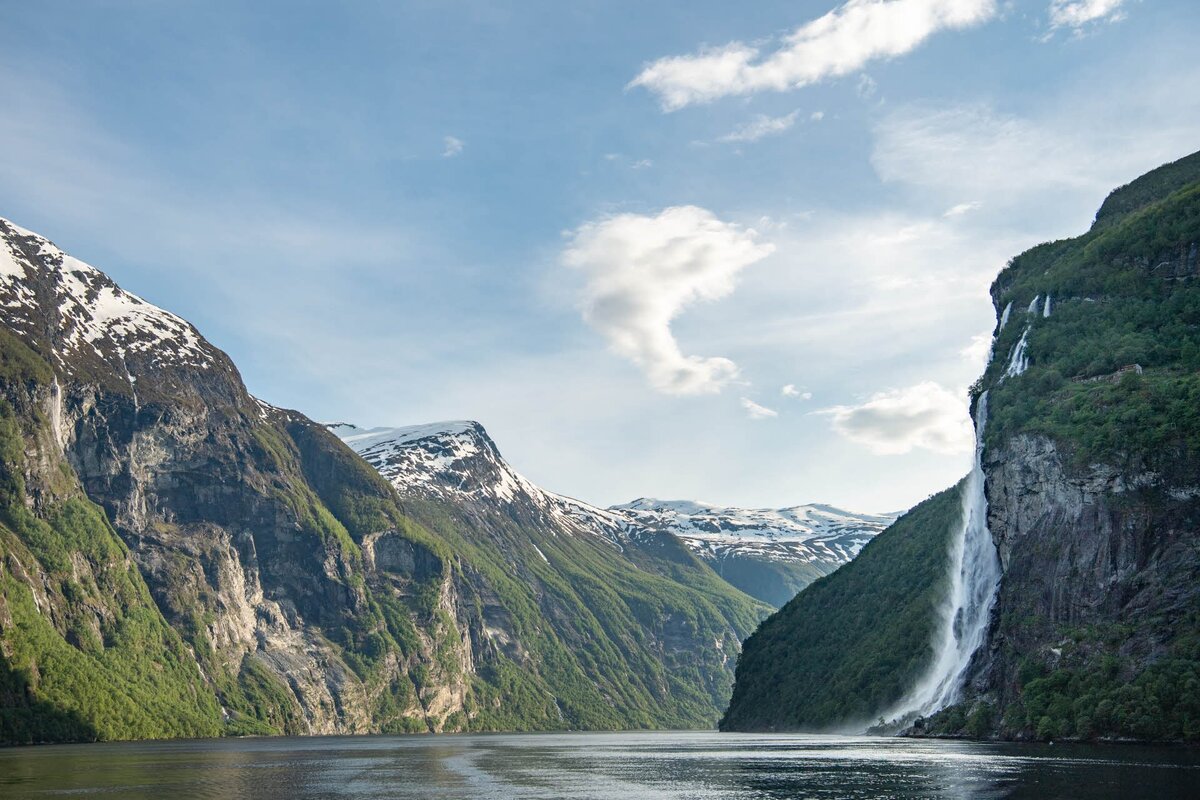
column 817, row 116
column 452, row 146
column 839, row 43
column 1077, row 13
column 643, row 271
column 761, row 126
column 755, row 411
column 897, row 421
column 790, row 390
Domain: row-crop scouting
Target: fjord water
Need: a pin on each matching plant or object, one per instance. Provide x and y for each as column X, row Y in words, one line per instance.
column 624, row 766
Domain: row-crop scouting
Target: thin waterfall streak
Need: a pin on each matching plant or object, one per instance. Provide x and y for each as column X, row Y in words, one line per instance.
column 967, row 607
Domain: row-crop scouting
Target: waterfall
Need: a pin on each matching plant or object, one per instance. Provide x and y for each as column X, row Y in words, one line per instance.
column 1004, row 316
column 1046, row 310
column 1018, row 361
column 56, row 426
column 967, row 607
column 1033, row 304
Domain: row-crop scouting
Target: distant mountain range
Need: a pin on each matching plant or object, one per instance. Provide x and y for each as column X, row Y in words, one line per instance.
column 769, row 554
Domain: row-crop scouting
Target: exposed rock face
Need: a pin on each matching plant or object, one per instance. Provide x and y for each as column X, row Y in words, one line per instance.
column 1093, row 547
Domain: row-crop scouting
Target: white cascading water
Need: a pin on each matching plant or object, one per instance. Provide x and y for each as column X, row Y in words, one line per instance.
column 1018, row 360
column 964, row 615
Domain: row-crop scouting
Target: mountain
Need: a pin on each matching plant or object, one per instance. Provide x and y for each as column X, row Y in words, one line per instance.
column 768, row 554
column 1087, row 494
column 178, row 558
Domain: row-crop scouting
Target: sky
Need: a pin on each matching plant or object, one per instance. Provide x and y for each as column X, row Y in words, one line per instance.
column 738, row 253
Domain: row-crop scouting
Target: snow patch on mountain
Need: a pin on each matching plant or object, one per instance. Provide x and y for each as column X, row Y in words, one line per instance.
column 93, row 312
column 811, row 533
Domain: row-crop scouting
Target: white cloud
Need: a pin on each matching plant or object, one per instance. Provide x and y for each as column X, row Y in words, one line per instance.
column 1077, row 13
column 452, row 146
column 817, row 116
column 790, row 390
column 926, row 416
column 761, row 126
column 643, row 271
column 961, row 208
column 642, row 164
column 755, row 411
column 839, row 43
column 976, row 353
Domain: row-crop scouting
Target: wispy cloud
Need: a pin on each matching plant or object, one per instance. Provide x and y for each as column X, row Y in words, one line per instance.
column 1078, row 13
column 643, row 271
column 761, row 126
column 927, row 416
column 755, row 411
column 961, row 208
column 452, row 146
column 839, row 43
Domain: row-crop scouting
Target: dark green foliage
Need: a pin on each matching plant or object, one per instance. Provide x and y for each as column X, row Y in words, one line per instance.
column 596, row 666
column 1116, row 309
column 1098, row 692
column 851, row 643
column 1150, row 188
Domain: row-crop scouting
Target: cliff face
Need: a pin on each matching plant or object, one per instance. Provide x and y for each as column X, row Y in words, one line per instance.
column 1093, row 481
column 178, row 558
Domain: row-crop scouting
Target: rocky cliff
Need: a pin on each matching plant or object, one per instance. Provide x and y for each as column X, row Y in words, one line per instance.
column 1091, row 490
column 179, row 558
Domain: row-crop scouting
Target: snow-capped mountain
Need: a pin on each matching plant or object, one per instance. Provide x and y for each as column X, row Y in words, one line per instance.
column 769, row 554
column 457, row 460
column 94, row 317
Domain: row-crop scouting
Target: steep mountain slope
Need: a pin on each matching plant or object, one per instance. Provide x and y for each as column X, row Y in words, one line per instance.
column 178, row 558
column 851, row 643
column 613, row 592
column 769, row 553
column 1091, row 461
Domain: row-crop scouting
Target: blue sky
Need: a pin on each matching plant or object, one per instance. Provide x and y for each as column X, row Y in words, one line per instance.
column 613, row 232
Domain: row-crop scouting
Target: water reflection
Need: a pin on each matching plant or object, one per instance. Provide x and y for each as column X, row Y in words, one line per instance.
column 657, row 766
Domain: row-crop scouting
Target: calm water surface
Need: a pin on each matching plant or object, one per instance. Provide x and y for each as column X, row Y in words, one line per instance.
column 618, row 766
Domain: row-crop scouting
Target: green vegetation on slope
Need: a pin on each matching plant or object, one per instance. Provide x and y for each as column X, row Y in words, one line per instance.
column 850, row 644
column 84, row 652
column 1112, row 315
column 596, row 667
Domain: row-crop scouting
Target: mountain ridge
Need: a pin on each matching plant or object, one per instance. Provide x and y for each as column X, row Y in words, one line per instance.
column 770, row 554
